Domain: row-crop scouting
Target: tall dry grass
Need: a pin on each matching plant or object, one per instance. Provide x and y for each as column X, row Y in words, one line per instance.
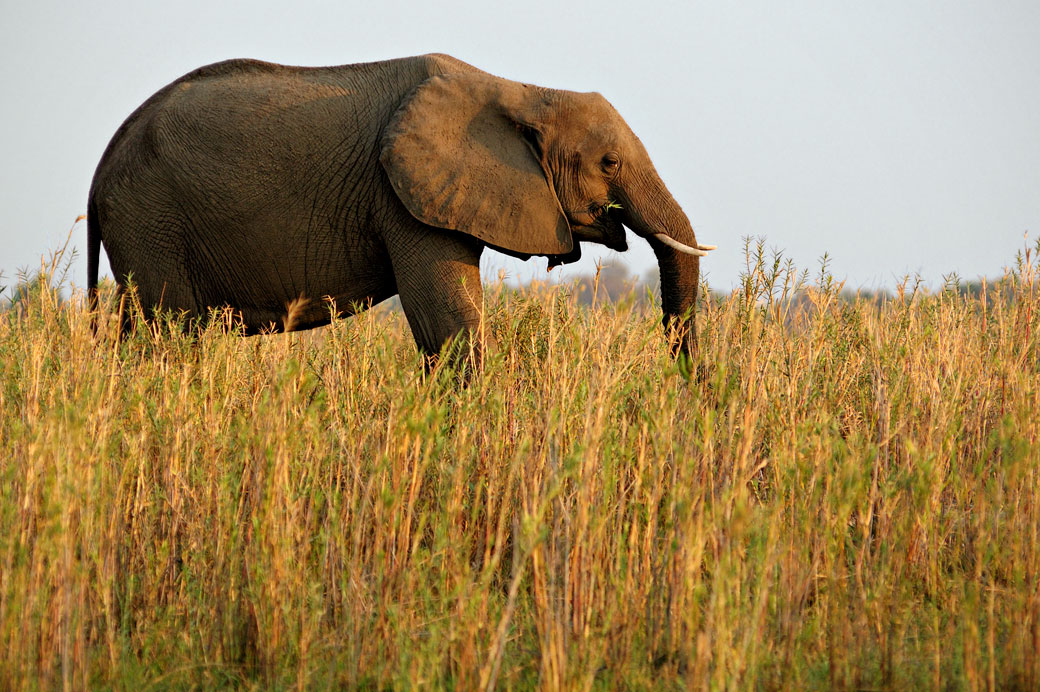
column 847, row 498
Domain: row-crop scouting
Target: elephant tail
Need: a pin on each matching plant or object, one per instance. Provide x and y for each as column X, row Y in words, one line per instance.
column 93, row 254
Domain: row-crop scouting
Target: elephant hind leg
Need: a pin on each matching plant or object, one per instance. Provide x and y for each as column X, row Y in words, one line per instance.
column 438, row 280
column 136, row 308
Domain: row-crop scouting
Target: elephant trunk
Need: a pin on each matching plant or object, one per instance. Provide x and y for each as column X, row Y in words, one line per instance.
column 651, row 212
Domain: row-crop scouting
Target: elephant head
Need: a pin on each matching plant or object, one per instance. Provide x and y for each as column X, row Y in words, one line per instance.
column 533, row 171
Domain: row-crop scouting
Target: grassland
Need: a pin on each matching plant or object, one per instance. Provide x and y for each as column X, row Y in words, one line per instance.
column 847, row 497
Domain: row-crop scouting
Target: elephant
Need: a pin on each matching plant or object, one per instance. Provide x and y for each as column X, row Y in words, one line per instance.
column 256, row 185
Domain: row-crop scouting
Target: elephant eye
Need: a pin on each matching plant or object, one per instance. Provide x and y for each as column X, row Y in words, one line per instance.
column 610, row 163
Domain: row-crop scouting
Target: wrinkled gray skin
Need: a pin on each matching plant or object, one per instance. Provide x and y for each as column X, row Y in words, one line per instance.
column 254, row 185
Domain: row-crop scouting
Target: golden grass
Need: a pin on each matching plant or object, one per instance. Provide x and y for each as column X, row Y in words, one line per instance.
column 848, row 498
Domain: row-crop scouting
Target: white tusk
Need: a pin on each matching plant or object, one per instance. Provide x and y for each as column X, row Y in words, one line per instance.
column 699, row 251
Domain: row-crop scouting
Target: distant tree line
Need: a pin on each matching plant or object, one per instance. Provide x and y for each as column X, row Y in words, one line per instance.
column 612, row 283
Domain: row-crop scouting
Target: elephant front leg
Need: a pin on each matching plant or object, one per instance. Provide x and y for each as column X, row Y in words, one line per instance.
column 438, row 280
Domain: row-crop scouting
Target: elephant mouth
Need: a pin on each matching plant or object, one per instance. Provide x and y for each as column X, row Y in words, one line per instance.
column 603, row 229
column 611, row 238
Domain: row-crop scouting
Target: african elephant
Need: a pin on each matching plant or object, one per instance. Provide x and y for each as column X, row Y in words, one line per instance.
column 253, row 185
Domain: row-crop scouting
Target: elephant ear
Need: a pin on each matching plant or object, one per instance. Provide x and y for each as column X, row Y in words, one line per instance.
column 457, row 157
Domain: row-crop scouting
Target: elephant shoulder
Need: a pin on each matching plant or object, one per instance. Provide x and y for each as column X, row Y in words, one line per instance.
column 442, row 63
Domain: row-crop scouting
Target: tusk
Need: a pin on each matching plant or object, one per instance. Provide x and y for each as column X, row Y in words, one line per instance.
column 699, row 251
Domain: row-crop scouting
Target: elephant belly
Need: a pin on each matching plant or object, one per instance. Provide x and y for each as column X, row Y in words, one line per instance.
column 307, row 312
column 294, row 291
column 271, row 286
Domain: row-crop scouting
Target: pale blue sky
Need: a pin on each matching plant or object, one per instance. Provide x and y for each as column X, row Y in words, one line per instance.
column 899, row 137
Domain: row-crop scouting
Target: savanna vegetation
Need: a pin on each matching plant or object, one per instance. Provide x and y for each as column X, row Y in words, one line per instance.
column 840, row 493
